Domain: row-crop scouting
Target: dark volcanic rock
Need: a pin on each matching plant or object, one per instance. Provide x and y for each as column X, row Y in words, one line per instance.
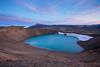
column 93, row 43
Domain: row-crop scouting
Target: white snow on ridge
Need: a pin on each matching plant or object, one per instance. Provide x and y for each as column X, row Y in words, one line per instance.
column 60, row 33
column 79, row 36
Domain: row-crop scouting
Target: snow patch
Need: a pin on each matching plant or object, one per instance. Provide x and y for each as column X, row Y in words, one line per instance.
column 79, row 36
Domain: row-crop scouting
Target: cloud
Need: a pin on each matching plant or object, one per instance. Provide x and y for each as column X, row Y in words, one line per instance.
column 27, row 6
column 14, row 18
column 88, row 15
column 81, row 19
column 85, row 17
column 48, row 9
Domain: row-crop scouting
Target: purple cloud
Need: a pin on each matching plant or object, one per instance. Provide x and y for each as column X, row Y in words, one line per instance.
column 31, row 7
column 14, row 18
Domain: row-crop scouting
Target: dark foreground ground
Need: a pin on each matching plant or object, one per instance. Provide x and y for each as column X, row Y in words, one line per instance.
column 15, row 53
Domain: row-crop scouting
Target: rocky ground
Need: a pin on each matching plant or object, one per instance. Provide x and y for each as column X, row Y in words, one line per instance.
column 15, row 53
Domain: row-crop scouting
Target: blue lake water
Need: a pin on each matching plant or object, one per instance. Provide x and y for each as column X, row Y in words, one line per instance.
column 55, row 42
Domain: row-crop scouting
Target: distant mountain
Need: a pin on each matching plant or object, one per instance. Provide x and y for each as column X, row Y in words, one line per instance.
column 66, row 26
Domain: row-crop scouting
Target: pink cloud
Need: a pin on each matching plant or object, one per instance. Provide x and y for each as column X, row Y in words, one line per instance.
column 13, row 18
column 28, row 6
column 88, row 17
column 49, row 9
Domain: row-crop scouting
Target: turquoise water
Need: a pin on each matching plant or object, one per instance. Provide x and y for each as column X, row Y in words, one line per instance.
column 55, row 42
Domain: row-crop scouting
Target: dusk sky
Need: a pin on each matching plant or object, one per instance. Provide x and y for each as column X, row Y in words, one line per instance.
column 66, row 12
